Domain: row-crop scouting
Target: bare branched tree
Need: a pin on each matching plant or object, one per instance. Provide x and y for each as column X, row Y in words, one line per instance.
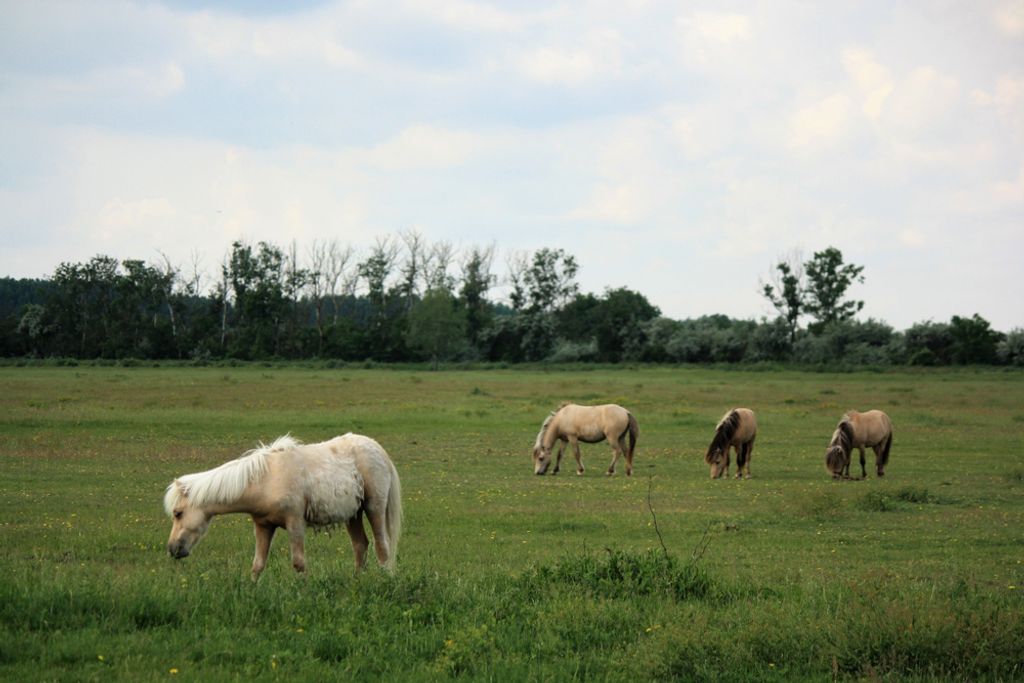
column 413, row 265
column 318, row 256
column 171, row 282
column 517, row 264
column 436, row 269
column 341, row 274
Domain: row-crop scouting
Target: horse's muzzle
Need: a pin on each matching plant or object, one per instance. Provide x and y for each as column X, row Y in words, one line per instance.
column 177, row 551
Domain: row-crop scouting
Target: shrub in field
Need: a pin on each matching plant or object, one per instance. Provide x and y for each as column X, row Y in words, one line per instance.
column 875, row 501
column 618, row 574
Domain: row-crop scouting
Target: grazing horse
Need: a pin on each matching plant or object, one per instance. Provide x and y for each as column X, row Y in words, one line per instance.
column 291, row 486
column 737, row 429
column 857, row 430
column 590, row 424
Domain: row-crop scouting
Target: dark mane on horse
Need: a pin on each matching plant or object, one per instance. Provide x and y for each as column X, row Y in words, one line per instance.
column 723, row 434
column 845, row 435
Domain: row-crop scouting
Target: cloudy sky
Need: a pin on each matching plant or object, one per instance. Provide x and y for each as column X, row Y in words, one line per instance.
column 676, row 148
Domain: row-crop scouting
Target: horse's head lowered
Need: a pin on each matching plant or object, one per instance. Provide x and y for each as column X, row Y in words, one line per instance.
column 835, row 461
column 837, row 455
column 541, row 459
column 716, row 459
column 190, row 522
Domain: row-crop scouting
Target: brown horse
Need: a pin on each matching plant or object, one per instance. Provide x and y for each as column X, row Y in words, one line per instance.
column 590, row 424
column 737, row 429
column 857, row 430
column 293, row 486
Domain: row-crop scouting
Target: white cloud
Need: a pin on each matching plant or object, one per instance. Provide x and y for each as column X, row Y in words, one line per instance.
column 469, row 16
column 708, row 39
column 624, row 203
column 821, row 125
column 873, row 80
column 312, row 37
column 148, row 82
column 1009, row 18
column 423, row 147
column 923, row 100
column 719, row 27
column 597, row 56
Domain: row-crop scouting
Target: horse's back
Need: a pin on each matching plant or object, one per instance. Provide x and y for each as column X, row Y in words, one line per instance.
column 748, row 424
column 871, row 427
column 592, row 423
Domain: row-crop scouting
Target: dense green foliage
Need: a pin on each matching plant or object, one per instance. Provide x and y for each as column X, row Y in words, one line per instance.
column 504, row 575
column 402, row 303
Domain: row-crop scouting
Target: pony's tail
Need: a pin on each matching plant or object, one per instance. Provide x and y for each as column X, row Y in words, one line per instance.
column 634, row 432
column 393, row 515
column 884, row 458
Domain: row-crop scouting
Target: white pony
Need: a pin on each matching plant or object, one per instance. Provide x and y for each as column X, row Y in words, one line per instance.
column 291, row 486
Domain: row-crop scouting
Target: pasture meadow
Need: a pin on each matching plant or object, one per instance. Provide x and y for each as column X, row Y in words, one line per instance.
column 503, row 575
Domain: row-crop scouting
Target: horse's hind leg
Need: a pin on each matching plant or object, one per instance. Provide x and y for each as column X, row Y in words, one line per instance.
column 616, row 453
column 750, row 456
column 741, row 459
column 863, row 471
column 625, row 451
column 381, row 541
column 264, row 535
column 357, row 533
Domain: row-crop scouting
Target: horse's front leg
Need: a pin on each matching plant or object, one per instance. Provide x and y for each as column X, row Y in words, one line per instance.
column 558, row 457
column 297, row 537
column 264, row 535
column 576, row 452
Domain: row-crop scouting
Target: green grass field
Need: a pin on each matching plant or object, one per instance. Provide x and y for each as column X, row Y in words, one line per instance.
column 504, row 575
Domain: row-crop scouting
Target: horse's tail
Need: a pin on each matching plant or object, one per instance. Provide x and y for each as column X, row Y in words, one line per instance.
column 883, row 459
column 393, row 515
column 634, row 432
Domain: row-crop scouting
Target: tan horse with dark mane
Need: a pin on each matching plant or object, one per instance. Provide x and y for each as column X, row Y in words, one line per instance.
column 737, row 429
column 288, row 485
column 857, row 430
column 572, row 423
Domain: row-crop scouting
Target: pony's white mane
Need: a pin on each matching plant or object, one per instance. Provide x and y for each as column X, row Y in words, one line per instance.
column 543, row 428
column 225, row 483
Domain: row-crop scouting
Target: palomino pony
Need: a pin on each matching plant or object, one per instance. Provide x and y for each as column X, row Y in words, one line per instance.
column 857, row 430
column 737, row 429
column 590, row 424
column 291, row 486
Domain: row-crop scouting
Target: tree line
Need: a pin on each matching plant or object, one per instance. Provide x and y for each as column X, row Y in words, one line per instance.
column 404, row 299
